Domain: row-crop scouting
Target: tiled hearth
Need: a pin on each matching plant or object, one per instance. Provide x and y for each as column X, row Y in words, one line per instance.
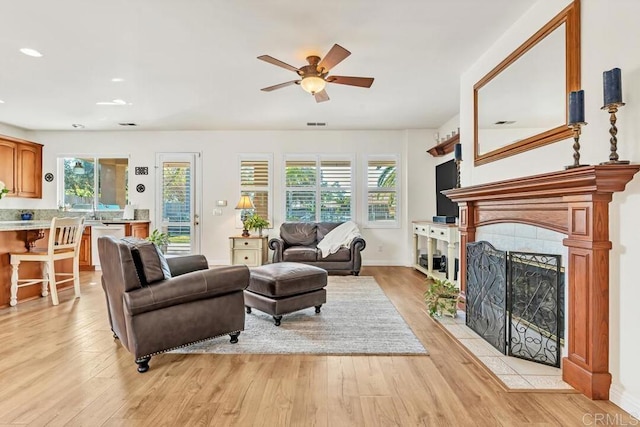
column 514, row 373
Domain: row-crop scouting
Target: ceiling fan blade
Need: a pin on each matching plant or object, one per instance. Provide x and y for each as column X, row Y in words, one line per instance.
column 351, row 81
column 274, row 87
column 321, row 96
column 335, row 55
column 274, row 61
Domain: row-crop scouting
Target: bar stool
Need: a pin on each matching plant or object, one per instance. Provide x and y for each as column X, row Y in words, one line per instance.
column 64, row 243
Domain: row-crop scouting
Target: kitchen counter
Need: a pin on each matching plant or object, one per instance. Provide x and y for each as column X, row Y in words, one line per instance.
column 23, row 225
column 15, row 236
column 123, row 221
column 39, row 225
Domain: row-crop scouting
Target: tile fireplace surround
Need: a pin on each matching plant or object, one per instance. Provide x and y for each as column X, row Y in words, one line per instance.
column 574, row 202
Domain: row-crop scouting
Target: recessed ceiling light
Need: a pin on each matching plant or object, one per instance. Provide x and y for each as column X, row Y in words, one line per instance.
column 117, row 79
column 77, row 126
column 114, row 102
column 1, row 101
column 31, row 52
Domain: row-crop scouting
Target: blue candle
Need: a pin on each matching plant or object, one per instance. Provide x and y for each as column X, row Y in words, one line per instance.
column 612, row 80
column 576, row 107
column 458, row 151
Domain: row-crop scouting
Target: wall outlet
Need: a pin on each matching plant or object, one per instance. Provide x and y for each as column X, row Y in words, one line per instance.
column 379, row 248
column 217, row 212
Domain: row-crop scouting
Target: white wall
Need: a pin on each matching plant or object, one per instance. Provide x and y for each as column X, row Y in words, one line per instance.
column 13, row 131
column 220, row 150
column 610, row 37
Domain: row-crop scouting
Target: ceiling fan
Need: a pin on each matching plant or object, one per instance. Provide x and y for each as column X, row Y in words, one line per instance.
column 314, row 76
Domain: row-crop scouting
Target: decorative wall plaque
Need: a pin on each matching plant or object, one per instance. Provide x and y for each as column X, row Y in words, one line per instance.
column 142, row 170
column 48, row 177
column 140, row 188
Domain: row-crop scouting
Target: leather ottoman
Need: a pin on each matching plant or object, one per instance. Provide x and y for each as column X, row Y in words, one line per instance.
column 285, row 287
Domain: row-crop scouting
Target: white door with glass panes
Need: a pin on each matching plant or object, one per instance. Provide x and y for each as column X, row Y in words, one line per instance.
column 178, row 201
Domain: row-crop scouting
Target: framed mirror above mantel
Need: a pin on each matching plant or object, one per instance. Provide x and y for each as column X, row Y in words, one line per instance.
column 521, row 104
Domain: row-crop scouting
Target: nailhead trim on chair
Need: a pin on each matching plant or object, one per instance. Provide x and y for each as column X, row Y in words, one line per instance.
column 186, row 345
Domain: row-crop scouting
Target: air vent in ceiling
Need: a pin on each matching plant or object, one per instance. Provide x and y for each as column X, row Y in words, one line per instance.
column 128, row 124
column 316, row 123
column 505, row 122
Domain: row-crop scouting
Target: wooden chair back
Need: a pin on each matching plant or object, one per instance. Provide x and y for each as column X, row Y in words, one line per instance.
column 65, row 234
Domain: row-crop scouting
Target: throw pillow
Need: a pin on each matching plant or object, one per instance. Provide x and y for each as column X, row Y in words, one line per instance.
column 150, row 263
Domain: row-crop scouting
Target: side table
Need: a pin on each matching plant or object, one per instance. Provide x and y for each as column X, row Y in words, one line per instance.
column 251, row 251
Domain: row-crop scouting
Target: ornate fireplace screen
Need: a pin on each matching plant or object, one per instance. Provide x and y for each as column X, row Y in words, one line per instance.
column 535, row 307
column 487, row 293
column 520, row 289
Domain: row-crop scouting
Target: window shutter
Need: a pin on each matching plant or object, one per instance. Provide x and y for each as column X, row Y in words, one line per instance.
column 382, row 191
column 254, row 182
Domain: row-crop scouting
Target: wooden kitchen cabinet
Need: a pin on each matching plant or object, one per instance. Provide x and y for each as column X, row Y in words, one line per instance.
column 85, row 250
column 21, row 167
column 137, row 229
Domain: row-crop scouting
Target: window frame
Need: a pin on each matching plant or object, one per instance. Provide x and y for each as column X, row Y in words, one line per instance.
column 318, row 159
column 96, row 193
column 366, row 223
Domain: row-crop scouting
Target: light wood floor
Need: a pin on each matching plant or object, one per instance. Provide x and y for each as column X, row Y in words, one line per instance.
column 61, row 366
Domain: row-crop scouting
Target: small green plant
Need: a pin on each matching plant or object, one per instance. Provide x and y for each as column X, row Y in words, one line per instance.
column 159, row 238
column 255, row 222
column 3, row 189
column 441, row 297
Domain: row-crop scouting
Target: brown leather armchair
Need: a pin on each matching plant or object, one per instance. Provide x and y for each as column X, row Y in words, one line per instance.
column 151, row 313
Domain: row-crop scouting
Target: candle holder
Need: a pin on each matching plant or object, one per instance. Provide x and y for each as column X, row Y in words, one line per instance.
column 613, row 131
column 458, row 173
column 576, row 144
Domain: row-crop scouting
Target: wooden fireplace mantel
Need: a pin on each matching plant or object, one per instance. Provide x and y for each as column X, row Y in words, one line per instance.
column 574, row 202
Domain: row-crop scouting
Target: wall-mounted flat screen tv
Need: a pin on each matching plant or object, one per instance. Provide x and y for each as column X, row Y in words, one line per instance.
column 446, row 177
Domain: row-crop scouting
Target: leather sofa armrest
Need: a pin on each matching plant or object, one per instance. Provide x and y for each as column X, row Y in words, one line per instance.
column 187, row 287
column 357, row 245
column 186, row 264
column 277, row 246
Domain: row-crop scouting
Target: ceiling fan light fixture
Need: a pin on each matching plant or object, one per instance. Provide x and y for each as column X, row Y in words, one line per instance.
column 313, row 84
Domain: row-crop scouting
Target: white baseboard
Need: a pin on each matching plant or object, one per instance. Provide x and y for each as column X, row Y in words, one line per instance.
column 383, row 262
column 376, row 263
column 625, row 400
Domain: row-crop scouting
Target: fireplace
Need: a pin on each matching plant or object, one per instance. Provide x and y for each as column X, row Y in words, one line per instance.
column 514, row 300
column 574, row 202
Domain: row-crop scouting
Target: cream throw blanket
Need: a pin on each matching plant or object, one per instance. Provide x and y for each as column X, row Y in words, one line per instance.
column 340, row 236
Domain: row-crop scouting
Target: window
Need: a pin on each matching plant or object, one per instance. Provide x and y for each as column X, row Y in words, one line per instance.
column 382, row 192
column 318, row 189
column 93, row 183
column 255, row 182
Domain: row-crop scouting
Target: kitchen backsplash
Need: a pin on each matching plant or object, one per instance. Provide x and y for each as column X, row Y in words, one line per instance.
column 45, row 214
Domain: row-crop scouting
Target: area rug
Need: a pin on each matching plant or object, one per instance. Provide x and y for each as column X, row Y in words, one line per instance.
column 357, row 319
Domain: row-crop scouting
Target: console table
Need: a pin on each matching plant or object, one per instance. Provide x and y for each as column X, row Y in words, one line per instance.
column 434, row 231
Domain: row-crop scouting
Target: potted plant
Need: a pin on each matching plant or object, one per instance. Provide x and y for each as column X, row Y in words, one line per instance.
column 160, row 239
column 3, row 189
column 255, row 222
column 441, row 297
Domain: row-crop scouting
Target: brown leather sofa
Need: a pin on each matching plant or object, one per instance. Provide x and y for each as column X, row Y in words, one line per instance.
column 298, row 242
column 156, row 306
